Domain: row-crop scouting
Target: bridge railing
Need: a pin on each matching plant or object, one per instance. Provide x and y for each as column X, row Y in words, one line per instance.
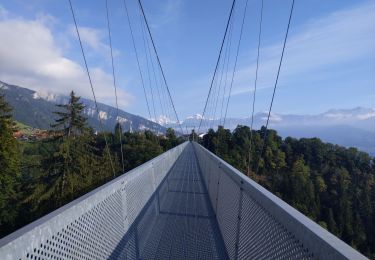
column 91, row 226
column 255, row 224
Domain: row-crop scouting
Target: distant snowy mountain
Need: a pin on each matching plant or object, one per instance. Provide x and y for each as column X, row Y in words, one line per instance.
column 348, row 127
column 36, row 110
column 164, row 120
column 359, row 117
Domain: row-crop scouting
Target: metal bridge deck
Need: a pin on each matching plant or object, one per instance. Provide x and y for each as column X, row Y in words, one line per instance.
column 178, row 222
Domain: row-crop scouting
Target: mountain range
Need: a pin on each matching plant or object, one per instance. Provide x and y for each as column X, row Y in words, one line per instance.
column 347, row 127
column 36, row 110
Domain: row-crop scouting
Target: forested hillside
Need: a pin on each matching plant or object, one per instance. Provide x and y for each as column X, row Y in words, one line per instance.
column 332, row 185
column 36, row 110
column 39, row 176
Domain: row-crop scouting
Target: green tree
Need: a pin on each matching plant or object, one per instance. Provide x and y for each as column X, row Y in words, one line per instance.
column 241, row 144
column 332, row 226
column 139, row 148
column 9, row 165
column 209, row 140
column 170, row 140
column 70, row 168
column 301, row 188
column 71, row 121
column 193, row 136
column 223, row 142
column 118, row 132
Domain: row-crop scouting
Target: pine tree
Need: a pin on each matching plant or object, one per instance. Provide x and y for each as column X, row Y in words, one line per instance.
column 193, row 136
column 71, row 120
column 171, row 139
column 118, row 132
column 332, row 226
column 301, row 188
column 9, row 165
column 70, row 169
column 223, row 141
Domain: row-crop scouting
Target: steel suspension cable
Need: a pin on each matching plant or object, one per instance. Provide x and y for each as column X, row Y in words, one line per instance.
column 211, row 104
column 159, row 63
column 218, row 82
column 224, row 65
column 217, row 62
column 155, row 79
column 92, row 88
column 168, row 113
column 154, row 74
column 226, row 79
column 208, row 122
column 147, row 65
column 235, row 62
column 115, row 86
column 211, row 111
column 168, row 106
column 275, row 86
column 137, row 57
column 255, row 86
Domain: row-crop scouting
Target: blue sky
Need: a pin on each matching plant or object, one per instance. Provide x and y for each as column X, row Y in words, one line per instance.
column 329, row 59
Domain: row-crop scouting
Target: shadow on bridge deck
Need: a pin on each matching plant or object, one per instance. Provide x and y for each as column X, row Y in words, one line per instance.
column 178, row 221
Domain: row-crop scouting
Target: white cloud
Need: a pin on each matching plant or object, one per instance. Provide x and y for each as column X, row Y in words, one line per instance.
column 46, row 19
column 273, row 117
column 339, row 37
column 3, row 12
column 30, row 57
column 366, row 116
column 94, row 39
column 169, row 12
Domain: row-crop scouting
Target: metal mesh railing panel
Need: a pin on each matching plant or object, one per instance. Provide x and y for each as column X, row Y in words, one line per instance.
column 248, row 230
column 213, row 184
column 85, row 238
column 138, row 191
column 227, row 211
column 159, row 170
column 255, row 224
column 261, row 236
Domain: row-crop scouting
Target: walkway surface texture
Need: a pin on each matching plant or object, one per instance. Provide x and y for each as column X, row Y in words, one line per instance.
column 178, row 222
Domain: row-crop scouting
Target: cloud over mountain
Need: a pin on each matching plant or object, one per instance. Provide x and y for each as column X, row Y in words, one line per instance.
column 30, row 55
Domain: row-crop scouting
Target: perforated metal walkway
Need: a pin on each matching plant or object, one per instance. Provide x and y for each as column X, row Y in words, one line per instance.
column 178, row 222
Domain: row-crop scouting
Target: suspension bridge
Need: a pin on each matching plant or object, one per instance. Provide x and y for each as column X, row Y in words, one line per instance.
column 186, row 203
